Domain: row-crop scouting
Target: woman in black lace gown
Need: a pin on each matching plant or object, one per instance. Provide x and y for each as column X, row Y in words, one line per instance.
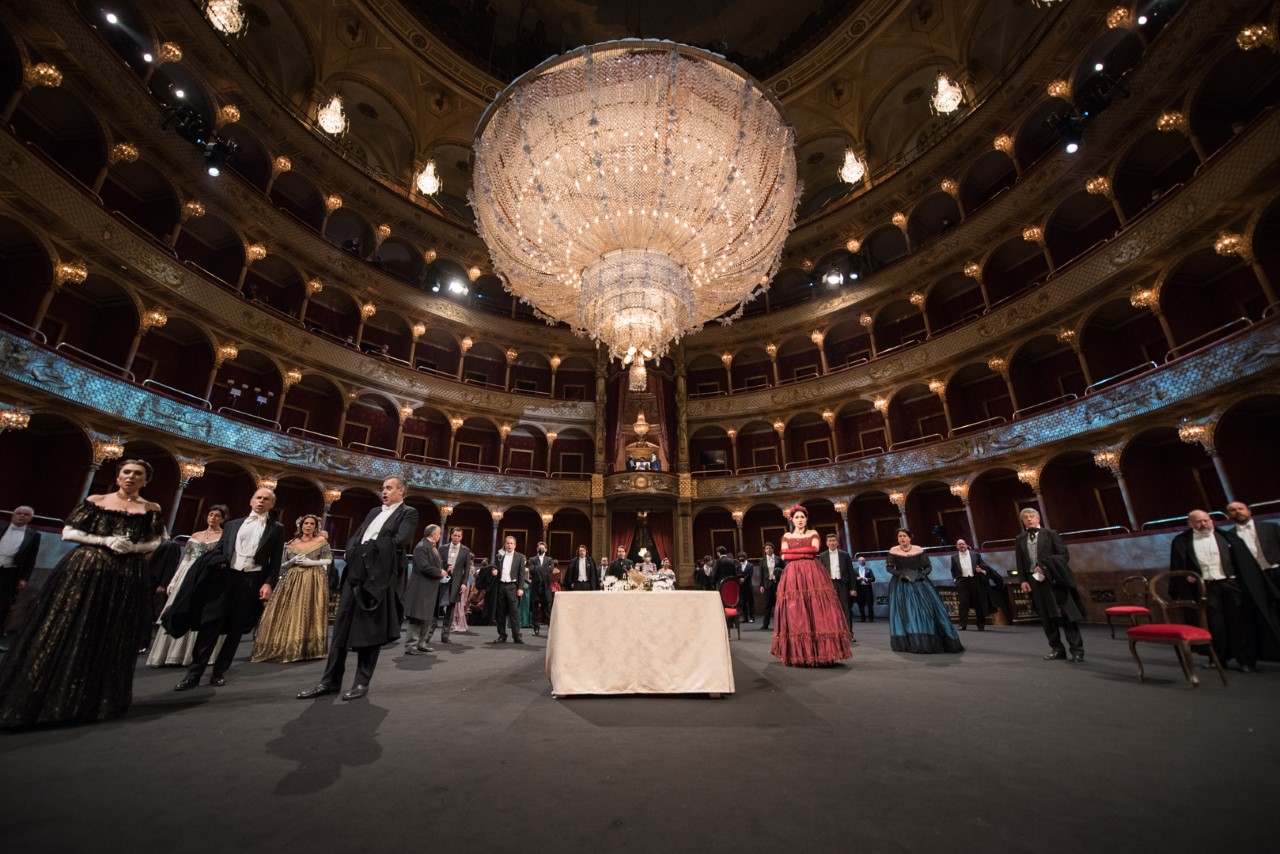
column 73, row 660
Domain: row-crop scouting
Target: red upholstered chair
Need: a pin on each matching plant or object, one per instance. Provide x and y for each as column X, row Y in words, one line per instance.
column 1134, row 590
column 1181, row 637
column 730, row 591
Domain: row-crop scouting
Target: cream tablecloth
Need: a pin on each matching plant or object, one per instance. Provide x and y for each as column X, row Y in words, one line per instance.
column 638, row 643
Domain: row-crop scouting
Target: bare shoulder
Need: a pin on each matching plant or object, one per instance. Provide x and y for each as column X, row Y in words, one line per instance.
column 96, row 499
column 153, row 507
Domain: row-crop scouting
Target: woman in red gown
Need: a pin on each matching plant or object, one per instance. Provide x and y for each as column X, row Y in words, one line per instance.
column 810, row 629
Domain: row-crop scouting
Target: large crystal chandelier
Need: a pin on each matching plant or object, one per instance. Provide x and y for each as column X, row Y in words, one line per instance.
column 853, row 169
column 428, row 180
column 331, row 117
column 635, row 190
column 947, row 97
column 226, row 16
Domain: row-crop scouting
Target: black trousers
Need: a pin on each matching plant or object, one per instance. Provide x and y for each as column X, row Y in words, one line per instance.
column 845, row 600
column 1069, row 627
column 972, row 593
column 1231, row 622
column 8, row 592
column 239, row 599
column 747, row 599
column 866, row 603
column 540, row 609
column 770, row 600
column 507, row 608
column 366, row 656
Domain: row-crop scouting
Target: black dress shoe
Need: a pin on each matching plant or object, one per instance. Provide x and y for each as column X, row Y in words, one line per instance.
column 1246, row 668
column 218, row 681
column 519, row 640
column 982, row 628
column 414, row 650
column 187, row 684
column 1077, row 658
column 1056, row 654
column 318, row 691
column 765, row 629
column 445, row 639
column 964, row 628
column 498, row 640
column 356, row 692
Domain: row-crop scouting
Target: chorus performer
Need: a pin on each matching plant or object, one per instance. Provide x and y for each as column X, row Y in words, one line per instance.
column 810, row 625
column 73, row 660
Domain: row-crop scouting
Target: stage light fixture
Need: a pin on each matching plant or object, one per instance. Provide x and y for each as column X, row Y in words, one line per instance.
column 112, row 19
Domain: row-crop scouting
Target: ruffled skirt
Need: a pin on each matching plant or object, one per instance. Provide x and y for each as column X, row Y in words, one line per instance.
column 810, row 629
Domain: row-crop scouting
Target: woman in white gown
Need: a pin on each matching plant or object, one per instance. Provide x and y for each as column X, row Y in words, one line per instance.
column 167, row 650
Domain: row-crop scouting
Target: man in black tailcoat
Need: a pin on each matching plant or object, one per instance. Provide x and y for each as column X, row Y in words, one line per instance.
column 370, row 610
column 619, row 566
column 540, row 588
column 724, row 568
column 507, row 576
column 839, row 565
column 456, row 559
column 771, row 566
column 227, row 589
column 1229, row 573
column 970, row 574
column 1043, row 571
column 1261, row 541
column 745, row 569
column 864, row 592
column 19, row 544
column 581, row 573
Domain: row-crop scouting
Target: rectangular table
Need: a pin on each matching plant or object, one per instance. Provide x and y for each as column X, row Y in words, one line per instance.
column 638, row 643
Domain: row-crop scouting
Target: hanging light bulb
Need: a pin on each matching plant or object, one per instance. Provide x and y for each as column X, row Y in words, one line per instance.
column 853, row 169
column 428, row 180
column 948, row 97
column 331, row 117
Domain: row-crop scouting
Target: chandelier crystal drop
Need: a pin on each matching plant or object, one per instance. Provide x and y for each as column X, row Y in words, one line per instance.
column 947, row 97
column 853, row 169
column 332, row 118
column 428, row 180
column 635, row 190
column 226, row 16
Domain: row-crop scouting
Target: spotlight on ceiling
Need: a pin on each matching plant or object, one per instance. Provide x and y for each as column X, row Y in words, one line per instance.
column 456, row 287
column 179, row 93
column 833, row 278
column 146, row 57
column 1097, row 66
column 216, row 154
column 112, row 19
column 1142, row 20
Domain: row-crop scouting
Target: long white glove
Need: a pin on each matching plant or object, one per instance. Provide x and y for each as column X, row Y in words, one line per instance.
column 75, row 535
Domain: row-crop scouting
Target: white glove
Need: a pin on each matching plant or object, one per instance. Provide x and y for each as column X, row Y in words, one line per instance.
column 120, row 545
column 303, row 561
column 74, row 535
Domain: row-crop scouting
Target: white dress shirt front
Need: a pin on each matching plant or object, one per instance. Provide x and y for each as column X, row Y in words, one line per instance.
column 247, row 540
column 1208, row 556
column 375, row 527
column 966, row 564
column 508, row 558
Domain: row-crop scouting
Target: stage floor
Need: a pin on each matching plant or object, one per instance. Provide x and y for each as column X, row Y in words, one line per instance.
column 993, row 750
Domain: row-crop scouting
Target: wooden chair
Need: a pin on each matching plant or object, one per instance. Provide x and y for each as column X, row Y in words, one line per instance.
column 1134, row 590
column 730, row 593
column 1181, row 637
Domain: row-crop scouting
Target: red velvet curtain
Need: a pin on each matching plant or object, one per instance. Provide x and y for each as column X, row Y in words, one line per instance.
column 663, row 536
column 622, row 532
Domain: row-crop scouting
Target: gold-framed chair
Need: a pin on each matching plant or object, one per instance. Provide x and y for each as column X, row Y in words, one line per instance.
column 1182, row 638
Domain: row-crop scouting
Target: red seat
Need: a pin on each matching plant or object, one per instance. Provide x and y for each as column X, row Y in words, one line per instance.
column 730, row 591
column 1181, row 637
column 1170, row 631
column 1134, row 589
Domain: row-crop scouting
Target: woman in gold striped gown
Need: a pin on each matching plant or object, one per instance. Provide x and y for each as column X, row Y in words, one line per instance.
column 295, row 625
